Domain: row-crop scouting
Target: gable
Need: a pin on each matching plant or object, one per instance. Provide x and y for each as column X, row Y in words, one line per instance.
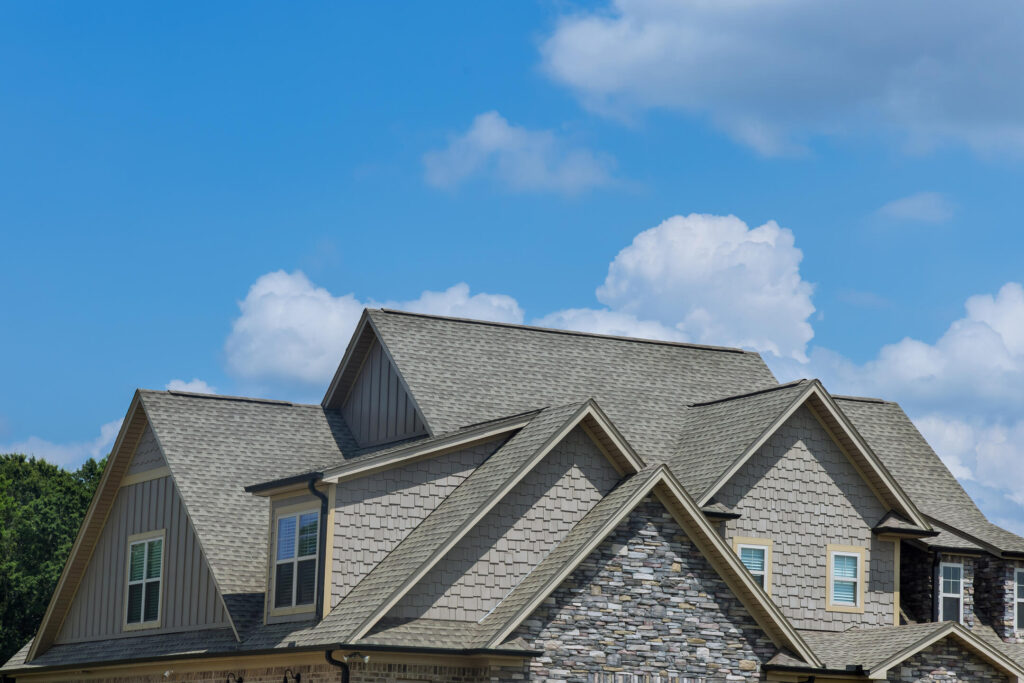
column 189, row 599
column 147, row 462
column 648, row 578
column 378, row 408
column 374, row 513
column 494, row 556
column 801, row 491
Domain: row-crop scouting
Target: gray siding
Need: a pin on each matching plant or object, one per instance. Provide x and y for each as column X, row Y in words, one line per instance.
column 373, row 514
column 147, row 454
column 515, row 536
column 189, row 597
column 801, row 491
column 379, row 409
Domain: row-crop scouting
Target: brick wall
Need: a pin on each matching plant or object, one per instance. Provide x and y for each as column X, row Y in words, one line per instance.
column 646, row 603
column 945, row 661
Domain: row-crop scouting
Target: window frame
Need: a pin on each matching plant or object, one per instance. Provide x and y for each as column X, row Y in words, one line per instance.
column 943, row 594
column 296, row 511
column 136, row 539
column 1018, row 601
column 859, row 552
column 765, row 544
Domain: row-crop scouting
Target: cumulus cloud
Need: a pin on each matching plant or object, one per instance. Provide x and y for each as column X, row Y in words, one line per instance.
column 923, row 207
column 773, row 75
column 518, row 158
column 196, row 386
column 71, row 454
column 291, row 330
column 706, row 279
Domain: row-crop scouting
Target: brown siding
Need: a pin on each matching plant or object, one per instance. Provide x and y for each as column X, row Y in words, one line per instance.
column 379, row 409
column 190, row 599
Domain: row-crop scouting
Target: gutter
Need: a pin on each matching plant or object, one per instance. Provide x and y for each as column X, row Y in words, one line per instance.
column 278, row 483
column 322, row 541
column 851, row 670
column 326, row 648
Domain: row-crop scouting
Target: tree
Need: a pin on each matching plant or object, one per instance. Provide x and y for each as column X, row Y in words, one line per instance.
column 41, row 508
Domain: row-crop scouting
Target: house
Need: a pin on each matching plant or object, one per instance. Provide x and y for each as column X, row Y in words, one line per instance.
column 478, row 502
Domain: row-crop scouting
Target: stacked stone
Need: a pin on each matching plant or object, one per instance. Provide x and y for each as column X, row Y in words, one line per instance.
column 646, row 603
column 945, row 661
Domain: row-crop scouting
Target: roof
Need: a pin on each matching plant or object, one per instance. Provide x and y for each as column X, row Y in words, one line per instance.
column 921, row 473
column 498, row 369
column 876, row 650
column 895, row 524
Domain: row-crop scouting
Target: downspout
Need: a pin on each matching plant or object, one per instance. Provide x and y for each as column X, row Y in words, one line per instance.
column 328, row 655
column 936, row 585
column 322, row 561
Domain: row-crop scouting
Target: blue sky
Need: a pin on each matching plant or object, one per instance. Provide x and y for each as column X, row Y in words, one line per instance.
column 211, row 192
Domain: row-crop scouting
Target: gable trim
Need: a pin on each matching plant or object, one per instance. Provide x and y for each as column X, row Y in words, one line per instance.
column 132, row 429
column 969, row 640
column 723, row 560
column 815, row 390
column 587, row 410
column 364, row 328
column 148, row 475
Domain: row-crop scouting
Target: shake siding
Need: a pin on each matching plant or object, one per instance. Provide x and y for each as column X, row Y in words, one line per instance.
column 147, row 454
column 189, row 597
column 802, row 492
column 515, row 536
column 378, row 409
column 374, row 513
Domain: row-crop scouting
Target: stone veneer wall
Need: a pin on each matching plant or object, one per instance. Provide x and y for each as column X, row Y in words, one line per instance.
column 646, row 603
column 917, row 583
column 969, row 563
column 801, row 491
column 945, row 661
column 995, row 589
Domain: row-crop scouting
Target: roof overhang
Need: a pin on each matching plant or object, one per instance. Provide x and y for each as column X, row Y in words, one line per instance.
column 846, row 436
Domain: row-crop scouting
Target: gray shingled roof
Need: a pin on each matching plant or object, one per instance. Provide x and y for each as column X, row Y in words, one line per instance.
column 867, row 647
column 920, row 472
column 461, row 372
column 213, row 445
column 441, row 525
column 716, row 433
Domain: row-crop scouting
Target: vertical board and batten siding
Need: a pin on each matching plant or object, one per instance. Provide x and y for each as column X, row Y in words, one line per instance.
column 379, row 409
column 189, row 597
column 801, row 491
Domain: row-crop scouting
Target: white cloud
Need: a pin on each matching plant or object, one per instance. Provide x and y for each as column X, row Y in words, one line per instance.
column 520, row 159
column 196, row 386
column 291, row 330
column 68, row 455
column 965, row 392
column 706, row 279
column 923, row 207
column 775, row 74
column 604, row 321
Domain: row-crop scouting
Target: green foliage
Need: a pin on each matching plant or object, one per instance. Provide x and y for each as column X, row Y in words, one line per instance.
column 41, row 508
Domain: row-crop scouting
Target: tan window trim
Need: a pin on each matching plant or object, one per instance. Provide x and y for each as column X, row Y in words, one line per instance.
column 137, row 538
column 296, row 511
column 862, row 579
column 765, row 543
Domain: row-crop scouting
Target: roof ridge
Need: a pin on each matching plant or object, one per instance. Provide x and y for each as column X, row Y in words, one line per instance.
column 227, row 397
column 576, row 333
column 734, row 397
column 861, row 399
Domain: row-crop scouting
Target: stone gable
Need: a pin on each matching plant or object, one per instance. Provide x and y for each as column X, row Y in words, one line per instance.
column 645, row 602
column 945, row 661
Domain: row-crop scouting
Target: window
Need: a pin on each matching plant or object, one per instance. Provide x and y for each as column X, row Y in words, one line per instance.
column 756, row 556
column 1018, row 602
column 297, row 545
column 845, row 579
column 145, row 571
column 951, row 591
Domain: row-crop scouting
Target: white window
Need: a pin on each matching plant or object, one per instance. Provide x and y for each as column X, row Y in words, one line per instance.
column 145, row 573
column 845, row 568
column 951, row 591
column 1018, row 602
column 295, row 560
column 755, row 558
